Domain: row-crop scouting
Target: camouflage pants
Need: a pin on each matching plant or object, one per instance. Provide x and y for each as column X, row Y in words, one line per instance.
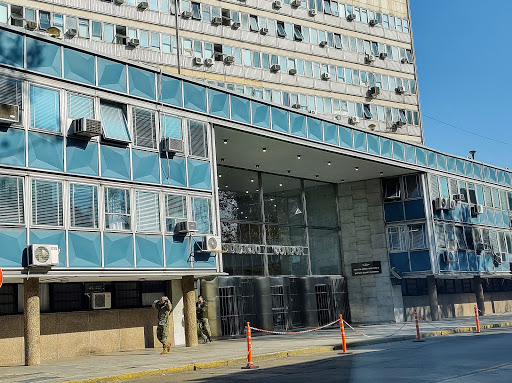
column 203, row 328
column 162, row 333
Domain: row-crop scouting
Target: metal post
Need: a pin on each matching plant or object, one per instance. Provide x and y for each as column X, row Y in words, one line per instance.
column 177, row 29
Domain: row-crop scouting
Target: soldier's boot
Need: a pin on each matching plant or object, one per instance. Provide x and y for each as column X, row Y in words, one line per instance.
column 168, row 346
column 209, row 338
column 164, row 351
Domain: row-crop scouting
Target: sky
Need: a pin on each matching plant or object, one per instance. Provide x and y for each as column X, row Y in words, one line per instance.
column 463, row 51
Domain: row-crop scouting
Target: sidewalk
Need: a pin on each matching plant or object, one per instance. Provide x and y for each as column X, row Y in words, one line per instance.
column 145, row 363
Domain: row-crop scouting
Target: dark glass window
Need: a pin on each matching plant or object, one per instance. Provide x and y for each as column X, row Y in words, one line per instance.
column 414, row 287
column 8, row 299
column 126, row 295
column 67, row 297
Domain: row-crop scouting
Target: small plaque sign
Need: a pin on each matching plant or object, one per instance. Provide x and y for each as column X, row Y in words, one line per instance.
column 366, row 268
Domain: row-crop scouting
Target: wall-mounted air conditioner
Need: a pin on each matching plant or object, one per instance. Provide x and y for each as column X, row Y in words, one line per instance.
column 208, row 62
column 264, row 31
column 404, row 60
column 458, row 197
column 326, row 76
column 186, row 14
column 292, row 71
column 235, row 25
column 172, row 145
column 229, row 60
column 133, row 43
column 275, row 68
column 351, row 17
column 277, row 4
column 374, row 91
column 217, row 21
column 31, row 25
column 101, row 301
column 44, row 255
column 186, row 227
column 353, row 120
column 450, row 256
column 142, row 6
column 297, row 106
column 197, row 61
column 477, row 210
column 71, row 32
column 9, row 114
column 312, row 12
column 383, row 55
column 369, row 58
column 119, row 2
column 443, row 203
column 86, row 127
column 373, row 22
column 322, row 44
column 400, row 89
column 212, row 243
column 296, row 3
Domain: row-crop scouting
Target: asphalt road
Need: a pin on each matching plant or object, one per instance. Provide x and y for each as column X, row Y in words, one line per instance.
column 467, row 358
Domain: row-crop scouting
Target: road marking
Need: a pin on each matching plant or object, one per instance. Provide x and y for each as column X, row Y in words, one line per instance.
column 497, row 367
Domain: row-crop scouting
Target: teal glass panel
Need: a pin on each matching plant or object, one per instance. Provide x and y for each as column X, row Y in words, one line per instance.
column 115, row 162
column 114, row 123
column 431, row 160
column 174, row 171
column 410, row 154
column 485, row 173
column 177, row 252
column 298, row 124
column 398, row 151
column 330, row 133
column 171, row 92
column 13, row 243
column 218, row 103
column 240, row 109
column 43, row 57
column 149, row 251
column 508, row 179
column 451, row 166
column 11, row 49
column 280, row 120
column 421, row 158
column 260, row 115
column 468, row 168
column 82, row 157
column 360, row 141
column 84, row 249
column 346, row 139
column 194, row 97
column 118, row 250
column 501, row 177
column 45, row 151
column 44, row 108
column 111, row 75
column 79, row 67
column 460, row 166
column 51, row 237
column 171, row 126
column 12, row 147
column 315, row 129
column 493, row 176
column 441, row 161
column 385, row 148
column 373, row 144
column 142, row 83
column 199, row 174
column 477, row 171
column 145, row 166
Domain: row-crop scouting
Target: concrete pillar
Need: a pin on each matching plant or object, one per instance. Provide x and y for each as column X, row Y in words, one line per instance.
column 432, row 297
column 479, row 292
column 189, row 310
column 32, row 323
column 177, row 313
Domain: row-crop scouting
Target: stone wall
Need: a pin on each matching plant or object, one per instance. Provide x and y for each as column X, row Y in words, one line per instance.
column 372, row 298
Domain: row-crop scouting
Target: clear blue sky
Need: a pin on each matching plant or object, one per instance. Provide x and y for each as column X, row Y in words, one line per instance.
column 463, row 53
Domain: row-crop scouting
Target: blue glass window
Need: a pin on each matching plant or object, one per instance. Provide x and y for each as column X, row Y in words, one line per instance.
column 410, row 154
column 450, row 162
column 44, row 108
column 468, row 168
column 360, row 141
column 114, row 124
column 346, row 140
column 171, row 92
column 492, row 173
column 202, row 214
column 477, row 171
column 431, row 159
column 280, row 120
column 142, row 83
column 398, row 151
column 194, row 97
column 240, row 109
column 485, row 173
column 80, row 106
column 508, row 179
column 43, row 57
column 174, row 171
column 460, row 166
column 11, row 49
column 501, row 179
column 331, row 134
column 260, row 115
column 199, row 174
column 298, row 124
column 218, row 103
column 315, row 129
column 79, row 67
column 373, row 144
column 420, row 157
column 170, row 126
column 111, row 75
column 385, row 147
column 441, row 162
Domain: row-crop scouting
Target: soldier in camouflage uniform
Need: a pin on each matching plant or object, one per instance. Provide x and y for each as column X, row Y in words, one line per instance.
column 162, row 331
column 202, row 319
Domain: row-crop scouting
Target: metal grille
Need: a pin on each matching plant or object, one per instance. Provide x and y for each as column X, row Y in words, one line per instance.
column 248, row 307
column 230, row 311
column 324, row 304
column 340, row 297
column 296, row 303
column 278, row 308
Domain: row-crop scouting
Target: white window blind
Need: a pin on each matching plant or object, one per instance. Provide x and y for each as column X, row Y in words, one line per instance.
column 11, row 200
column 148, row 211
column 117, row 209
column 114, row 122
column 175, row 210
column 397, row 238
column 10, row 93
column 417, row 237
column 83, row 206
column 47, row 203
column 434, row 186
column 144, row 128
column 197, row 139
column 80, row 106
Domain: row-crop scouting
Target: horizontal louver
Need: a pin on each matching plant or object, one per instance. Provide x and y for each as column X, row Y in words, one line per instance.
column 11, row 200
column 144, row 128
column 197, row 139
column 46, row 203
column 80, row 106
column 10, row 93
column 434, row 186
column 83, row 206
column 148, row 212
column 417, row 238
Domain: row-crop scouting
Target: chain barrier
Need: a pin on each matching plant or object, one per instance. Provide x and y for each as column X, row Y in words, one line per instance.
column 446, row 327
column 294, row 332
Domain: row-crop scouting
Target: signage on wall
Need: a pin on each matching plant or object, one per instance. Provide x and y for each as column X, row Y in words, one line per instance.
column 240, row 248
column 366, row 268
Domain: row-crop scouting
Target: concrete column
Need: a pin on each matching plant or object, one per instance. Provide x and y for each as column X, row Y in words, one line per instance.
column 189, row 310
column 479, row 292
column 177, row 313
column 32, row 323
column 432, row 297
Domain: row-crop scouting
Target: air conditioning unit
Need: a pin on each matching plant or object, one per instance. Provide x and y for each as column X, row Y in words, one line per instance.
column 133, row 42
column 235, row 25
column 86, row 127
column 229, row 60
column 374, row 91
column 275, row 68
column 404, row 60
column 312, row 12
column 72, row 32
column 369, row 58
column 212, row 243
column 483, row 248
column 31, row 25
column 44, row 255
column 312, row 111
column 119, row 2
column 172, row 145
column 143, row 5
column 458, row 197
column 264, row 31
column 442, row 203
column 338, row 117
column 399, row 123
column 9, row 114
column 373, row 22
column 353, row 120
column 208, row 62
column 217, row 21
column 326, row 76
column 185, row 227
column 296, row 3
column 383, row 55
column 101, row 301
column 186, row 14
column 277, row 4
column 351, row 17
column 450, row 256
column 400, row 89
column 197, row 61
column 322, row 44
column 297, row 106
column 476, row 210
column 292, row 71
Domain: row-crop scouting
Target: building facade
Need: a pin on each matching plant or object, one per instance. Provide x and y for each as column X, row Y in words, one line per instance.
column 296, row 138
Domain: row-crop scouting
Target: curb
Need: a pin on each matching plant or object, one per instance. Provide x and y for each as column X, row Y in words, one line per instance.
column 281, row 354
